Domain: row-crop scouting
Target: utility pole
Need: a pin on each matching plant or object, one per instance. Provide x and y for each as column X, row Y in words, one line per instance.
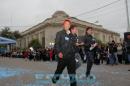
column 127, row 45
column 127, row 15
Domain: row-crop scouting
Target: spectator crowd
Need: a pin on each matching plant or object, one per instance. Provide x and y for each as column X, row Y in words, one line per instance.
column 112, row 53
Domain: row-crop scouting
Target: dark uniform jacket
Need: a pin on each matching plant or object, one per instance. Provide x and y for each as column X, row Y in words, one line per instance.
column 74, row 40
column 88, row 40
column 64, row 44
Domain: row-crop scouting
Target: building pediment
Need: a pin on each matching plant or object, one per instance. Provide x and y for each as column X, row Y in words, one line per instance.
column 60, row 14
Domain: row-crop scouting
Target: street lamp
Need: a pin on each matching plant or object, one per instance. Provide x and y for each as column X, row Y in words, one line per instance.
column 94, row 23
column 51, row 44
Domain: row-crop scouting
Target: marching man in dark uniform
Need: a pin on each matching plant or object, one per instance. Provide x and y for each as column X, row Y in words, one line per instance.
column 90, row 45
column 66, row 54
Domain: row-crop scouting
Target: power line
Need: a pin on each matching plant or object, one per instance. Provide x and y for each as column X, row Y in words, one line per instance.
column 113, row 11
column 98, row 8
column 81, row 14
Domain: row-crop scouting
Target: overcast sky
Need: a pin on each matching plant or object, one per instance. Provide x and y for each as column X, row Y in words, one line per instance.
column 22, row 14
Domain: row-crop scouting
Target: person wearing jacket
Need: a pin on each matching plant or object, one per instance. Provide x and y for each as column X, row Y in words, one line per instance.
column 90, row 45
column 74, row 38
column 76, row 45
column 66, row 54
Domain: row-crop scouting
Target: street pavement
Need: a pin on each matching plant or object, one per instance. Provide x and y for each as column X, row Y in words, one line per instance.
column 19, row 72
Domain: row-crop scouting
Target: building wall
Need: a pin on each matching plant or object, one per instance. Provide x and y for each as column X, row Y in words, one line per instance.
column 50, row 34
column 105, row 37
column 46, row 31
column 46, row 36
column 25, row 40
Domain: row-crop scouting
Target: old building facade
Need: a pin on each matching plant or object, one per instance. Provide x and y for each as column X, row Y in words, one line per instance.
column 46, row 31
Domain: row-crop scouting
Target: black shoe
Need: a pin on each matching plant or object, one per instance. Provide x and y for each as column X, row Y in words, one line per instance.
column 91, row 77
column 54, row 80
column 87, row 75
